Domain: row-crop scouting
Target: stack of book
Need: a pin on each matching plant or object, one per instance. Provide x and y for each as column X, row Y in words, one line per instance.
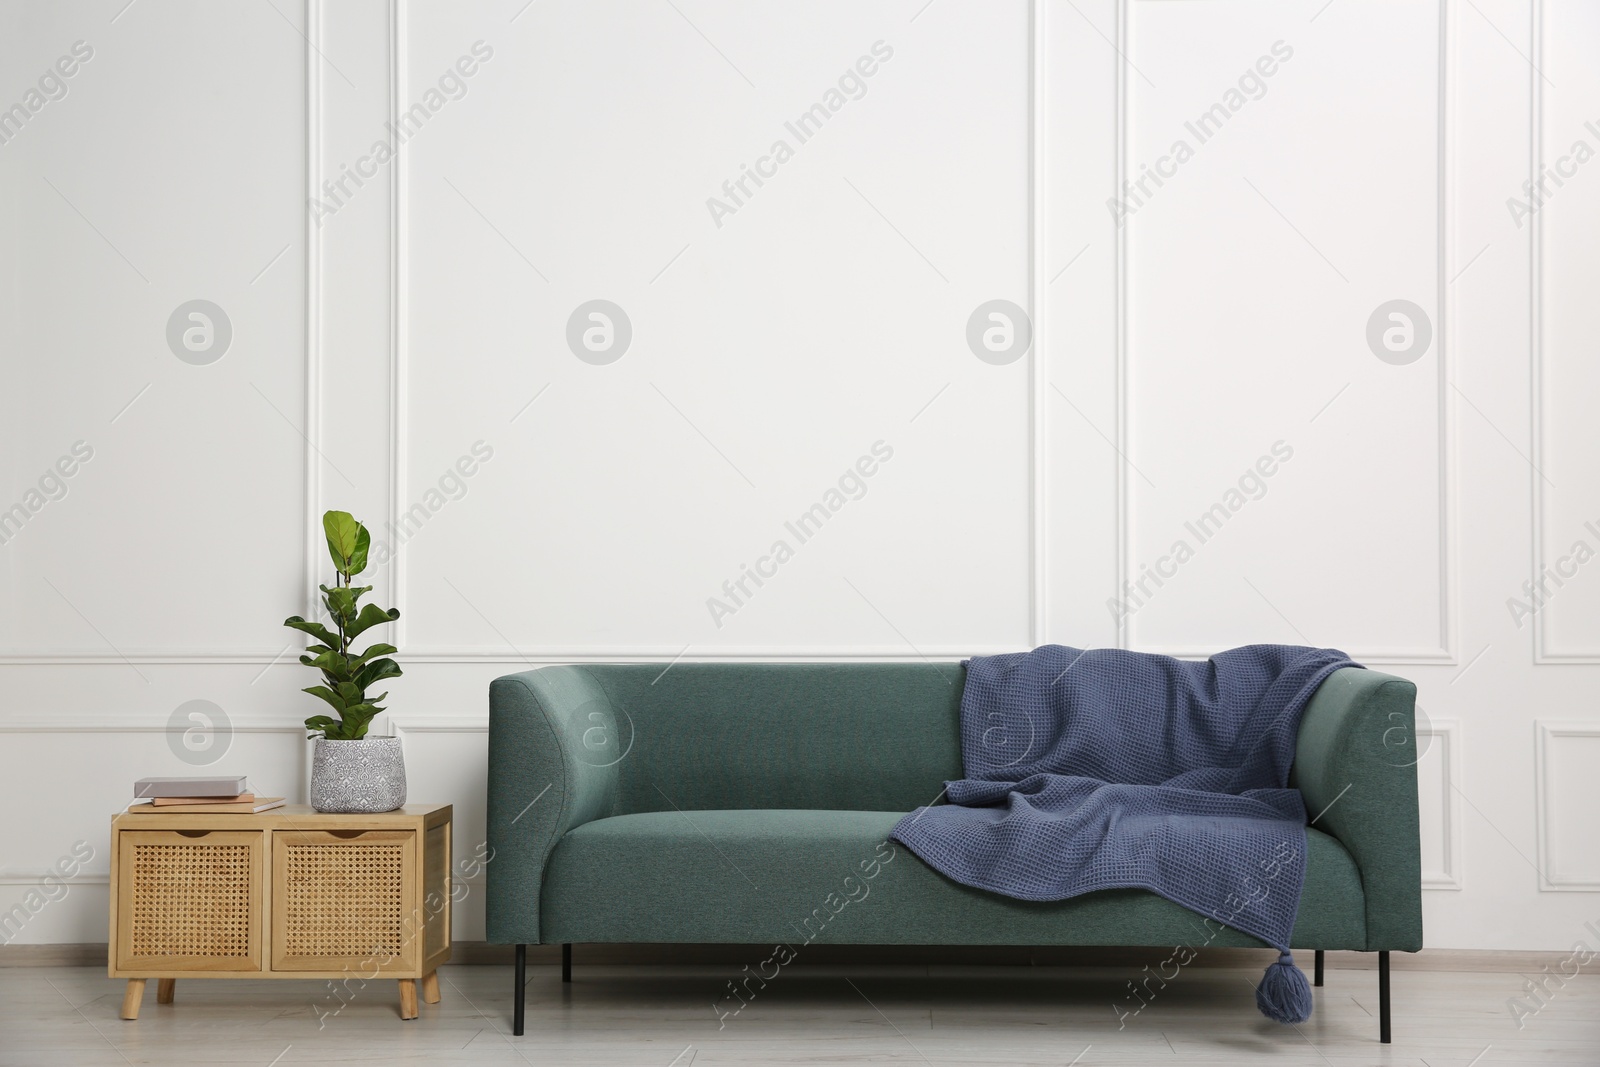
column 227, row 795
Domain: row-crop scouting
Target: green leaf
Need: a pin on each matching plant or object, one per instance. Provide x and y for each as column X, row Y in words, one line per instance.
column 343, row 532
column 320, row 725
column 357, row 719
column 341, row 605
column 322, row 692
column 355, row 590
column 332, row 664
column 358, row 558
column 370, row 616
column 370, row 653
column 376, row 671
column 315, row 629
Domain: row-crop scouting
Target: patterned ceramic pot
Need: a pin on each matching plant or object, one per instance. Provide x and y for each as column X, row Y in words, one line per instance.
column 358, row 777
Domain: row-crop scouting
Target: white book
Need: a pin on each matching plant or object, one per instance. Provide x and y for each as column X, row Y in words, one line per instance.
column 230, row 785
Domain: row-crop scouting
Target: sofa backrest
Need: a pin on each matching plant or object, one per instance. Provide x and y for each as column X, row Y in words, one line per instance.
column 860, row 736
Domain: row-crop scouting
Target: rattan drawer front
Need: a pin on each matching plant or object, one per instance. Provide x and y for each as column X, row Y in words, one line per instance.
column 190, row 900
column 345, row 900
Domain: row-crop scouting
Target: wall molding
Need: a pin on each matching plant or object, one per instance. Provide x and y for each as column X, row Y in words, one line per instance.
column 1542, row 652
column 1038, row 409
column 1444, row 311
column 1447, row 653
column 667, row 654
column 313, row 409
column 1120, row 272
column 37, row 877
column 1541, row 633
column 1038, row 624
column 541, row 655
column 553, row 655
column 399, row 320
column 108, row 724
column 401, row 725
column 221, row 657
column 189, row 656
column 1448, row 733
column 1545, row 732
column 144, row 657
column 1393, row 656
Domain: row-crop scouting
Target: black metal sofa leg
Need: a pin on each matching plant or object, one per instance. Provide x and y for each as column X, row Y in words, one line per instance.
column 1383, row 997
column 1316, row 973
column 566, row 962
column 521, row 990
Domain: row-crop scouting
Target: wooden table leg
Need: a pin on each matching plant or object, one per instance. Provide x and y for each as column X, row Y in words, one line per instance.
column 133, row 998
column 430, row 987
column 408, row 998
column 164, row 988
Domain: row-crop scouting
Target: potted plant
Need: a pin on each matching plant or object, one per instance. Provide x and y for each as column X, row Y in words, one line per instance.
column 350, row 772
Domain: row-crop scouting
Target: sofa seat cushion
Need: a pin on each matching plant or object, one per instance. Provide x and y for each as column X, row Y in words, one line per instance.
column 765, row 876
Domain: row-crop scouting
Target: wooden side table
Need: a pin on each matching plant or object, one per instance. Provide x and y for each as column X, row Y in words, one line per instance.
column 289, row 893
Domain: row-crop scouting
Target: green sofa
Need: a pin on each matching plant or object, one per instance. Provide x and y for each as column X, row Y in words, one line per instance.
column 751, row 803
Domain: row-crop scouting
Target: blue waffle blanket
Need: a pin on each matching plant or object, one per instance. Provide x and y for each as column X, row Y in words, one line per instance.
column 1108, row 769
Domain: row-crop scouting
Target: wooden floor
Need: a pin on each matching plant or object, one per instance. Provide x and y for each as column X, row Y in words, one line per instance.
column 663, row 1017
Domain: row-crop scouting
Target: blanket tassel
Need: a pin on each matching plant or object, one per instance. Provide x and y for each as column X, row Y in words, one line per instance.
column 1284, row 994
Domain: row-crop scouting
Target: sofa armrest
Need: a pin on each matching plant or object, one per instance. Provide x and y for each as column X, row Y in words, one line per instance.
column 553, row 750
column 1356, row 765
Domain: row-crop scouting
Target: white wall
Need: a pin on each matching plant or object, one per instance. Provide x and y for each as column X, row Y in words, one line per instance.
column 425, row 312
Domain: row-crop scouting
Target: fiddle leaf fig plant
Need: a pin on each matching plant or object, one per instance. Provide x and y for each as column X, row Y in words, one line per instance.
column 348, row 674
